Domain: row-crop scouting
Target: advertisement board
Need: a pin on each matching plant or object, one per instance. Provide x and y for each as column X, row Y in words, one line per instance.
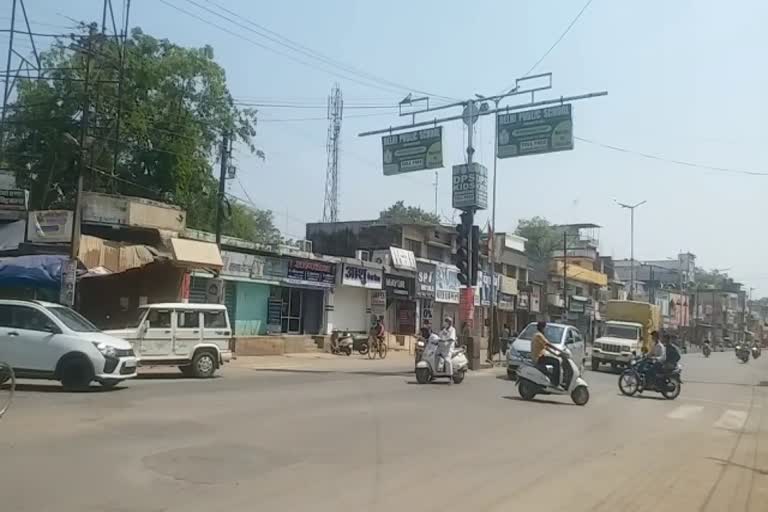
column 542, row 130
column 412, row 151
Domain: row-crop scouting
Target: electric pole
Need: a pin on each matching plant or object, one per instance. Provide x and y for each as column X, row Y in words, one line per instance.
column 226, row 151
column 631, row 208
column 565, row 276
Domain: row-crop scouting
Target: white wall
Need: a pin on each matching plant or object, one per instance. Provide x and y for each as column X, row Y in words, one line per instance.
column 349, row 305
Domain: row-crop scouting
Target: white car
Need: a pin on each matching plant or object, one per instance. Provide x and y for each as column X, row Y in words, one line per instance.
column 194, row 337
column 41, row 340
column 560, row 335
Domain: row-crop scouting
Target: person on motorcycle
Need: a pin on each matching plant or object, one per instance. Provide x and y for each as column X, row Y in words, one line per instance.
column 426, row 329
column 540, row 345
column 656, row 358
column 671, row 354
column 447, row 341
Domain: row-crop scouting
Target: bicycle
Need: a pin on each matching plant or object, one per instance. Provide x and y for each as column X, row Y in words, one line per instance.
column 376, row 346
column 6, row 374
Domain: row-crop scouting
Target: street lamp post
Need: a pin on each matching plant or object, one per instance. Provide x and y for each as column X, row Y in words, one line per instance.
column 631, row 208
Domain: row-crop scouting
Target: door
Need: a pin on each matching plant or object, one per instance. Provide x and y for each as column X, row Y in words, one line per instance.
column 186, row 333
column 575, row 343
column 27, row 339
column 292, row 309
column 158, row 336
column 216, row 328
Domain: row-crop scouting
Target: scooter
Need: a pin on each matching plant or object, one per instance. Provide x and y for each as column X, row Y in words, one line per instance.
column 742, row 353
column 756, row 352
column 431, row 364
column 531, row 381
column 341, row 343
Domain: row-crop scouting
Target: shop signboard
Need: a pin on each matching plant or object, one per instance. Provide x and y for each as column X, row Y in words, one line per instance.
column 542, row 130
column 252, row 266
column 361, row 277
column 13, row 199
column 470, row 186
column 523, row 301
column 49, row 226
column 447, row 284
column 412, row 151
column 485, row 288
column 425, row 280
column 399, row 286
column 311, row 273
column 507, row 302
column 402, row 259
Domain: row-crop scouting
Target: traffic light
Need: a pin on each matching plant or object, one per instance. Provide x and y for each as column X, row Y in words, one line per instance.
column 475, row 261
column 463, row 236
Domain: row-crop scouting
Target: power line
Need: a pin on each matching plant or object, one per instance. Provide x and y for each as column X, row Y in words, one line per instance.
column 672, row 160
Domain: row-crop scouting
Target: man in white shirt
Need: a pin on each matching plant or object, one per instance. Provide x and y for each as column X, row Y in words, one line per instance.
column 447, row 340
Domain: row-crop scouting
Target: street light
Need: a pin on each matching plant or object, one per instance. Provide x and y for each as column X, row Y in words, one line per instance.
column 631, row 208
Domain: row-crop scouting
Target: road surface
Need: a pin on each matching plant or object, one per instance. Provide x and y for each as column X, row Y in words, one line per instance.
column 361, row 435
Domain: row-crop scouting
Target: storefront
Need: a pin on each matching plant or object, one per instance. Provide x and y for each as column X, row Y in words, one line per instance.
column 301, row 296
column 507, row 293
column 446, row 293
column 348, row 304
column 425, row 293
column 401, row 306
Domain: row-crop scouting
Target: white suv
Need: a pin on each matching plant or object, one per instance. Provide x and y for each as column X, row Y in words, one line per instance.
column 41, row 340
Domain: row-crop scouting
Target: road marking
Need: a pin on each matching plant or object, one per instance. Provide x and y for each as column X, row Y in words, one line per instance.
column 685, row 411
column 732, row 420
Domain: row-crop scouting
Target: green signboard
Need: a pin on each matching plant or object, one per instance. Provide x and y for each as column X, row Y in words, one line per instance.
column 412, row 151
column 530, row 132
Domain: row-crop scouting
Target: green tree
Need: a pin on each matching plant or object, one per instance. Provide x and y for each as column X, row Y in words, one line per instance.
column 542, row 236
column 174, row 107
column 398, row 213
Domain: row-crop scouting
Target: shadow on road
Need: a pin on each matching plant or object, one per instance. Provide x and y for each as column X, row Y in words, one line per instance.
column 642, row 397
column 537, row 400
column 742, row 466
column 170, row 376
column 58, row 388
column 433, row 383
column 372, row 373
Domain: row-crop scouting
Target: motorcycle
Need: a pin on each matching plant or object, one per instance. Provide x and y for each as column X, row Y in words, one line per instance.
column 341, row 343
column 360, row 343
column 742, row 353
column 532, row 381
column 706, row 350
column 756, row 352
column 432, row 365
column 635, row 379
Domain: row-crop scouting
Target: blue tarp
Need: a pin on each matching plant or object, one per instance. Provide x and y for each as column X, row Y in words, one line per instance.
column 35, row 271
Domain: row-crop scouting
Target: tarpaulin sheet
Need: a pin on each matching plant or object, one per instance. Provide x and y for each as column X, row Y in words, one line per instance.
column 31, row 271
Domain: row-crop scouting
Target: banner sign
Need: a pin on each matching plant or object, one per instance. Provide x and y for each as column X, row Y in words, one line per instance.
column 311, row 272
column 361, row 277
column 530, row 132
column 399, row 286
column 49, row 226
column 412, row 151
column 13, row 199
column 402, row 259
column 470, row 186
column 447, row 284
column 252, row 266
column 425, row 281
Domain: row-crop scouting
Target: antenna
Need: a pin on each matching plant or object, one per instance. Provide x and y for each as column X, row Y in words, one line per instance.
column 335, row 108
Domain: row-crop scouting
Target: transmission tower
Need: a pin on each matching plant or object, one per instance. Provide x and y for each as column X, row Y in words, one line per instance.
column 335, row 108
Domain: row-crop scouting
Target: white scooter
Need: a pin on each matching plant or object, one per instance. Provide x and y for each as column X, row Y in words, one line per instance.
column 531, row 381
column 431, row 365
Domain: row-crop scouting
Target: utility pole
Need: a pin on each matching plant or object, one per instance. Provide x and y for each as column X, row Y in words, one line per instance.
column 565, row 276
column 631, row 208
column 84, row 120
column 224, row 165
column 436, row 201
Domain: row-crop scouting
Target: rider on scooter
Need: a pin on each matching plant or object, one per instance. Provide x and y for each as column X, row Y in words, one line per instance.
column 447, row 340
column 539, row 346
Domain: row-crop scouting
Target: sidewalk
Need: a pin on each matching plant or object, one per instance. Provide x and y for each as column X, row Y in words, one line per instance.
column 323, row 361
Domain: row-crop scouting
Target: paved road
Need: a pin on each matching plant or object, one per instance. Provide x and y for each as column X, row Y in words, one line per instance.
column 362, row 436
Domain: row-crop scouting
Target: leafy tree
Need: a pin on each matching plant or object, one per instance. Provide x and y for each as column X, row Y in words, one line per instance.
column 174, row 106
column 398, row 213
column 543, row 238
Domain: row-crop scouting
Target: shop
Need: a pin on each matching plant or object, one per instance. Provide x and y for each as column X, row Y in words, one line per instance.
column 400, row 317
column 506, row 309
column 425, row 293
column 446, row 293
column 348, row 305
column 301, row 297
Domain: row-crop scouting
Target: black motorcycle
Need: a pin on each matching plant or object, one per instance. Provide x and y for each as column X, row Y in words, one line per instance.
column 742, row 353
column 636, row 379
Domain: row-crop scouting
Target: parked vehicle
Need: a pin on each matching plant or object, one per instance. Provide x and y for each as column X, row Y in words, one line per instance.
column 560, row 335
column 532, row 381
column 635, row 379
column 432, row 365
column 341, row 343
column 360, row 343
column 628, row 329
column 41, row 340
column 194, row 337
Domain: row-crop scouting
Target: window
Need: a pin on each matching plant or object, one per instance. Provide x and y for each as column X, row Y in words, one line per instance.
column 553, row 333
column 188, row 319
column 435, row 253
column 579, row 291
column 215, row 319
column 577, row 336
column 23, row 317
column 159, row 319
column 414, row 246
column 73, row 319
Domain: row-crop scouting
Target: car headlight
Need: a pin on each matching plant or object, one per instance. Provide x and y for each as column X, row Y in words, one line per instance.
column 106, row 350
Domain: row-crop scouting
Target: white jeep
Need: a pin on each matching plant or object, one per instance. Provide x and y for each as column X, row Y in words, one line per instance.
column 620, row 342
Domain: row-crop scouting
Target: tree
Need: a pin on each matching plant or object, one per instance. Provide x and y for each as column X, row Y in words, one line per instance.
column 398, row 213
column 174, row 106
column 543, row 238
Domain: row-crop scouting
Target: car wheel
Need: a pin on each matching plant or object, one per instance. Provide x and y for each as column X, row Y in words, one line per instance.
column 76, row 374
column 204, row 365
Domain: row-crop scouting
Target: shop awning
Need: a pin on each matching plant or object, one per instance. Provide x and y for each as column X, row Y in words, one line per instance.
column 196, row 254
column 103, row 257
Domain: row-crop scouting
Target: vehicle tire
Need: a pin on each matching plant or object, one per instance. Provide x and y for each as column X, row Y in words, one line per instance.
column 423, row 375
column 187, row 370
column 527, row 389
column 629, row 382
column 76, row 374
column 580, row 395
column 383, row 349
column 204, row 364
column 511, row 374
column 458, row 377
column 363, row 349
column 595, row 364
column 674, row 392
column 109, row 383
column 348, row 350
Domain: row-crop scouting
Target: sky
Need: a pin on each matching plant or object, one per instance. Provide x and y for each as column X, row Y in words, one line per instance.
column 684, row 80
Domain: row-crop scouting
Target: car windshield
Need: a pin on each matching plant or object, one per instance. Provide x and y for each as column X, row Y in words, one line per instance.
column 73, row 319
column 553, row 333
column 626, row 332
column 136, row 320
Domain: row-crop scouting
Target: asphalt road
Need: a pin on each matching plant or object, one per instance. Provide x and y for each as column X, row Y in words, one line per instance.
column 363, row 436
